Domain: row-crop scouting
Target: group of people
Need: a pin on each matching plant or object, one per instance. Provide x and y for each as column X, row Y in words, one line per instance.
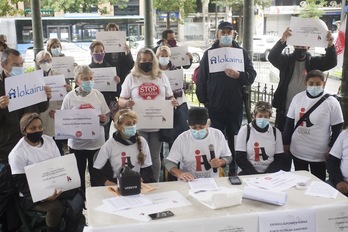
column 27, row 135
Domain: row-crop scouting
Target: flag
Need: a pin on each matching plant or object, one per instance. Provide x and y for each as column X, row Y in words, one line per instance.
column 340, row 43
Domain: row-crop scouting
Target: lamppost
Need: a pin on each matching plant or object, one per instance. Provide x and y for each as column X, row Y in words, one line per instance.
column 343, row 96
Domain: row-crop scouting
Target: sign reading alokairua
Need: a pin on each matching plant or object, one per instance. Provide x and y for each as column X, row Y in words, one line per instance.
column 222, row 58
column 25, row 90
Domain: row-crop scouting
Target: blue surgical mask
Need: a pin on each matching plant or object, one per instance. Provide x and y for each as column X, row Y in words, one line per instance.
column 16, row 71
column 262, row 122
column 226, row 40
column 130, row 131
column 199, row 134
column 315, row 90
column 87, row 86
column 55, row 51
column 163, row 60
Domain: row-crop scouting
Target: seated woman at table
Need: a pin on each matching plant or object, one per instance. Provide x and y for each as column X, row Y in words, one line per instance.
column 125, row 148
column 201, row 150
column 337, row 165
column 33, row 148
column 259, row 146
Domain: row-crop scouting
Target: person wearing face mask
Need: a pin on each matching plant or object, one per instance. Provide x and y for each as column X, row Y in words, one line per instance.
column 98, row 54
column 168, row 39
column 222, row 92
column 137, row 87
column 309, row 143
column 193, row 149
column 86, row 97
column 126, row 147
column 33, row 148
column 293, row 69
column 259, row 146
column 163, row 55
column 12, row 65
column 54, row 47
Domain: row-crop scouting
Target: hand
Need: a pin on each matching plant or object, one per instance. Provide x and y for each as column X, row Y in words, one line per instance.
column 48, row 91
column 287, row 33
column 330, row 39
column 189, row 54
column 54, row 196
column 232, row 73
column 342, row 187
column 68, row 87
column 109, row 183
column 174, row 102
column 215, row 163
column 102, row 118
column 117, row 79
column 130, row 103
column 126, row 49
column 51, row 113
column 186, row 176
column 4, row 101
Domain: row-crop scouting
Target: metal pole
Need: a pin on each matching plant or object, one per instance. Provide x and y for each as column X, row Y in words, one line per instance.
column 37, row 26
column 344, row 81
column 343, row 4
column 148, row 23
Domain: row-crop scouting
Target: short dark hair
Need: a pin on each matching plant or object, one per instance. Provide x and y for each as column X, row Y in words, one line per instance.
column 166, row 32
column 315, row 73
column 96, row 43
column 6, row 52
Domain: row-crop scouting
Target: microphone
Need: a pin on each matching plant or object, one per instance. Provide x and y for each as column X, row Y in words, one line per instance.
column 212, row 155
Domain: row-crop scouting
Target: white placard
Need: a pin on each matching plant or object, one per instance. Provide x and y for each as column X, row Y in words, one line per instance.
column 113, row 41
column 308, row 32
column 179, row 56
column 221, row 58
column 64, row 65
column 25, row 90
column 77, row 124
column 59, row 174
column 288, row 221
column 152, row 114
column 332, row 218
column 57, row 85
column 176, row 78
column 104, row 79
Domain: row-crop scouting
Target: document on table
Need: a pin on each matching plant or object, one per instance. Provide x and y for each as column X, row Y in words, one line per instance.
column 321, row 189
column 127, row 202
column 203, row 184
column 278, row 181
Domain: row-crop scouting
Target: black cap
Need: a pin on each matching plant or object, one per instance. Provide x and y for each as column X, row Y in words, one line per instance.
column 197, row 115
column 225, row 25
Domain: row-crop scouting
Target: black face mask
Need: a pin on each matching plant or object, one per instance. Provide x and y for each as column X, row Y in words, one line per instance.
column 34, row 137
column 146, row 66
column 300, row 54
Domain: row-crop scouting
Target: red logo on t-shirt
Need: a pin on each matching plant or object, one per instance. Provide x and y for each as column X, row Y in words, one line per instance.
column 86, row 106
column 148, row 91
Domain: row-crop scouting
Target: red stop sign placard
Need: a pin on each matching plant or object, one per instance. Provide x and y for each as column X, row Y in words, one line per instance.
column 148, row 91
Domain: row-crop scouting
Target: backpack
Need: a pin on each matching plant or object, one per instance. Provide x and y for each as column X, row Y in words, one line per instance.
column 249, row 128
column 195, row 75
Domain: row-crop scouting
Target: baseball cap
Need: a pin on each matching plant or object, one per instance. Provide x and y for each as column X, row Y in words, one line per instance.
column 225, row 25
column 197, row 115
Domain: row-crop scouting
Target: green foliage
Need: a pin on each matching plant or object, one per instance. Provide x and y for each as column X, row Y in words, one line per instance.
column 310, row 9
column 10, row 7
column 182, row 6
column 81, row 6
column 237, row 5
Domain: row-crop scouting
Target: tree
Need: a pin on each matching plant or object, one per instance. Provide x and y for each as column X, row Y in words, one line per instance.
column 311, row 8
column 71, row 6
column 182, row 6
column 10, row 7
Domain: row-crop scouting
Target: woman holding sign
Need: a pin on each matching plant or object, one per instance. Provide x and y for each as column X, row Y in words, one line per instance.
column 138, row 85
column 33, row 148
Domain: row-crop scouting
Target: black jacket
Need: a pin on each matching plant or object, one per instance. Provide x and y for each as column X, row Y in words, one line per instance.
column 220, row 92
column 286, row 63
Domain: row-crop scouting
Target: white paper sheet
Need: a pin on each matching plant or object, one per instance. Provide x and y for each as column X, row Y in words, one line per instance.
column 104, row 79
column 64, row 65
column 221, row 58
column 321, row 189
column 113, row 41
column 60, row 173
column 263, row 195
column 203, row 184
column 25, row 90
column 57, row 85
column 127, row 202
column 179, row 56
column 154, row 114
column 176, row 78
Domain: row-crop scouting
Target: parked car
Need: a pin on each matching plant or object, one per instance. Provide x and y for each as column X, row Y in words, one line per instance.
column 196, row 52
column 262, row 45
column 82, row 56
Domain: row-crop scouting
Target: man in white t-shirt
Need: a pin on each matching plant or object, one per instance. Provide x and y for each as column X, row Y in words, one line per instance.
column 201, row 150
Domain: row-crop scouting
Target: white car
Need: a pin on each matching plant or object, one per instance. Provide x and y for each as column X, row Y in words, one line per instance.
column 262, row 45
column 196, row 52
column 81, row 56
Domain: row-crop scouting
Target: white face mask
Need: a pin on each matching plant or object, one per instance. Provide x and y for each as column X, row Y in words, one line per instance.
column 45, row 66
column 163, row 60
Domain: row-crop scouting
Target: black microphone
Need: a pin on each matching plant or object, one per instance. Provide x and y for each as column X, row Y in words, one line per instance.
column 212, row 155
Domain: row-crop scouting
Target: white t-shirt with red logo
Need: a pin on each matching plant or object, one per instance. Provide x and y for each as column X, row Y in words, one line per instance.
column 94, row 100
column 340, row 151
column 310, row 140
column 121, row 155
column 146, row 88
column 194, row 154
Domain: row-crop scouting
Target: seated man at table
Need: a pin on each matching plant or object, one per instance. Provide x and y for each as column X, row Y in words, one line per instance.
column 201, row 150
